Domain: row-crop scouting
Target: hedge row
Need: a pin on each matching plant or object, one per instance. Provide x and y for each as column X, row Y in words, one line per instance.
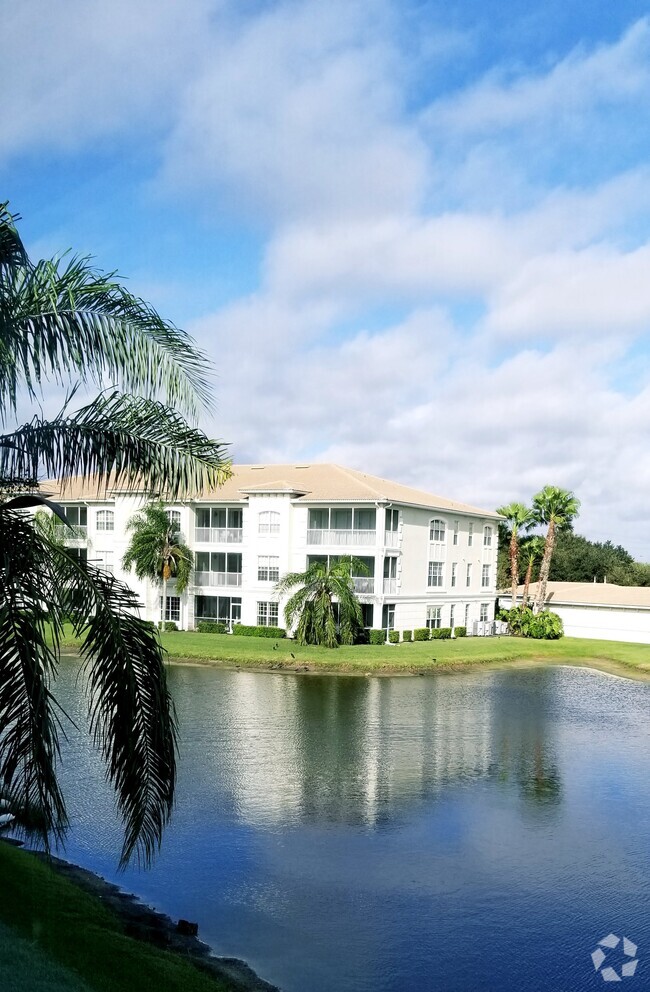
column 241, row 630
column 211, row 627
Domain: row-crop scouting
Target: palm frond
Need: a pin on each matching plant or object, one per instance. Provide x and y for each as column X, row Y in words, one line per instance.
column 12, row 250
column 132, row 441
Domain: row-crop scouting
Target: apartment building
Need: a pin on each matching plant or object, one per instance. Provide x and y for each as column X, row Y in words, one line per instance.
column 427, row 560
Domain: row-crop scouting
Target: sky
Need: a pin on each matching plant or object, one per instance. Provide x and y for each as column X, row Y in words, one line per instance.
column 412, row 236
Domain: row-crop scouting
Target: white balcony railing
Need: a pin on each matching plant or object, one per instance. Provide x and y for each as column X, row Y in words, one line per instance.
column 391, row 538
column 390, row 587
column 75, row 532
column 218, row 535
column 347, row 538
column 364, row 584
column 217, row 578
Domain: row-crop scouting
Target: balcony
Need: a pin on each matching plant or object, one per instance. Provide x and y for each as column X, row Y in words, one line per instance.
column 390, row 587
column 217, row 578
column 364, row 584
column 345, row 538
column 75, row 532
column 218, row 535
column 391, row 539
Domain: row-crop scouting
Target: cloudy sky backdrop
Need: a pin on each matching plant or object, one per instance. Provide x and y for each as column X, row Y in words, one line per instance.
column 413, row 236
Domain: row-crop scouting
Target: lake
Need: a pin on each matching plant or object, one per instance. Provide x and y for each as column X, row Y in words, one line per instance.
column 480, row 831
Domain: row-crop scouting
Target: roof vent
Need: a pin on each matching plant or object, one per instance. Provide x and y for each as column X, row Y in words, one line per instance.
column 302, row 466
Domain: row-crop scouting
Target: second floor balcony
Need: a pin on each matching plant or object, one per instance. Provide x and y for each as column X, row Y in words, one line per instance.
column 347, row 538
column 75, row 532
column 217, row 578
column 363, row 584
column 218, row 535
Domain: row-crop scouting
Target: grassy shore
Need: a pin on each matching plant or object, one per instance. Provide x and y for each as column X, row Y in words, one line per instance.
column 631, row 660
column 61, row 937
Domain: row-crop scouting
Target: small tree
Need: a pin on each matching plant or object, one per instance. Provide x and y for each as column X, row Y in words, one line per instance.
column 156, row 551
column 532, row 550
column 325, row 606
column 518, row 517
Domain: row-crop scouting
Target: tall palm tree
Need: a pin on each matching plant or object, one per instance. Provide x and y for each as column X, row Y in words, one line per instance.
column 156, row 551
column 62, row 321
column 556, row 508
column 518, row 517
column 532, row 550
column 325, row 604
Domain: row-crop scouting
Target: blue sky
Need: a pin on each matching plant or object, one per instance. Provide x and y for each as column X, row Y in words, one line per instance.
column 413, row 237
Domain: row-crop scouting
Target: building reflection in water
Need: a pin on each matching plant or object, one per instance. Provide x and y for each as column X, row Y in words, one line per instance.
column 362, row 750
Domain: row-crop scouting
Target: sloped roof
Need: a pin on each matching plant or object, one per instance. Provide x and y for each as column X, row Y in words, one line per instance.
column 314, row 483
column 591, row 594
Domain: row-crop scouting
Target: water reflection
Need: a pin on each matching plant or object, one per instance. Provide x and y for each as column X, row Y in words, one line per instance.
column 361, row 751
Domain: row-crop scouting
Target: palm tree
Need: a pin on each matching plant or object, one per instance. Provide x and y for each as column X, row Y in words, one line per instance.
column 156, row 551
column 325, row 606
column 556, row 508
column 532, row 550
column 518, row 517
column 63, row 321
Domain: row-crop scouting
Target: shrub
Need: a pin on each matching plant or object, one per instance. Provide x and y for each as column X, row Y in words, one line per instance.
column 211, row 627
column 435, row 633
column 544, row 625
column 170, row 625
column 377, row 636
column 518, row 619
column 407, row 636
column 444, row 633
column 393, row 636
column 242, row 630
column 460, row 631
column 421, row 634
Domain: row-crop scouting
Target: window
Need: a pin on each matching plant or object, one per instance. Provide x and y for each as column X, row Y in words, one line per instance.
column 484, row 612
column 466, row 615
column 268, row 522
column 455, row 538
column 81, row 554
column 77, row 515
column 267, row 614
column 452, row 610
column 103, row 560
column 468, row 576
column 392, row 520
column 485, row 576
column 435, row 573
column 437, row 530
column 105, row 520
column 319, row 519
column 172, row 609
column 268, row 568
column 174, row 518
column 454, row 567
column 434, row 617
column 219, row 518
column 365, row 519
column 221, row 608
column 390, row 567
column 470, row 535
column 388, row 616
column 487, row 537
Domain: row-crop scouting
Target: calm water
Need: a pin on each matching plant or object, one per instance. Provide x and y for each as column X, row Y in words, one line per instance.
column 453, row 833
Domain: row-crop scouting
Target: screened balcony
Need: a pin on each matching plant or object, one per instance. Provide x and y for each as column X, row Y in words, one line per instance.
column 218, row 525
column 217, row 569
column 342, row 527
column 363, row 584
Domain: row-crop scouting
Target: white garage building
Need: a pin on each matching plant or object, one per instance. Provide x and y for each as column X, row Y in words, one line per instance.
column 597, row 609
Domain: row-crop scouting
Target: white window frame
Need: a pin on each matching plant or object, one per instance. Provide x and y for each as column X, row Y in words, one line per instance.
column 466, row 615
column 434, row 617
column 456, row 526
column 437, row 530
column 470, row 534
column 485, row 577
column 172, row 609
column 468, row 575
column 174, row 518
column 487, row 536
column 268, row 522
column 435, row 576
column 267, row 613
column 485, row 611
column 454, row 567
column 268, row 568
column 105, row 520
column 452, row 609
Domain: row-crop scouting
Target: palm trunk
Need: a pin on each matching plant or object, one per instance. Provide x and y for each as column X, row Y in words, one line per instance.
column 164, row 604
column 545, row 567
column 529, row 574
column 514, row 568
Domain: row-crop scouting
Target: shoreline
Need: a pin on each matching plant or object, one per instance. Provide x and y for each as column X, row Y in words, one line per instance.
column 143, row 923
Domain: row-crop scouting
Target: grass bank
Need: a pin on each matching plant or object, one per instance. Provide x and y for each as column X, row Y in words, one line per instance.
column 631, row 660
column 62, row 937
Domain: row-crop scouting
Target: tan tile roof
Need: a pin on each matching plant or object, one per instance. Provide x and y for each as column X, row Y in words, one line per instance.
column 315, row 482
column 591, row 594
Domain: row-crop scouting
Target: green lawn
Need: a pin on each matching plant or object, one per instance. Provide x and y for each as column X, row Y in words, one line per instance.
column 63, row 938
column 224, row 649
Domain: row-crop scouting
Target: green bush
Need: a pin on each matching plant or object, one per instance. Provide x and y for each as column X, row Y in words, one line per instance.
column 211, row 627
column 421, row 634
column 460, row 631
column 444, row 633
column 435, row 633
column 407, row 636
column 170, row 625
column 377, row 636
column 393, row 636
column 519, row 619
column 545, row 625
column 242, row 630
